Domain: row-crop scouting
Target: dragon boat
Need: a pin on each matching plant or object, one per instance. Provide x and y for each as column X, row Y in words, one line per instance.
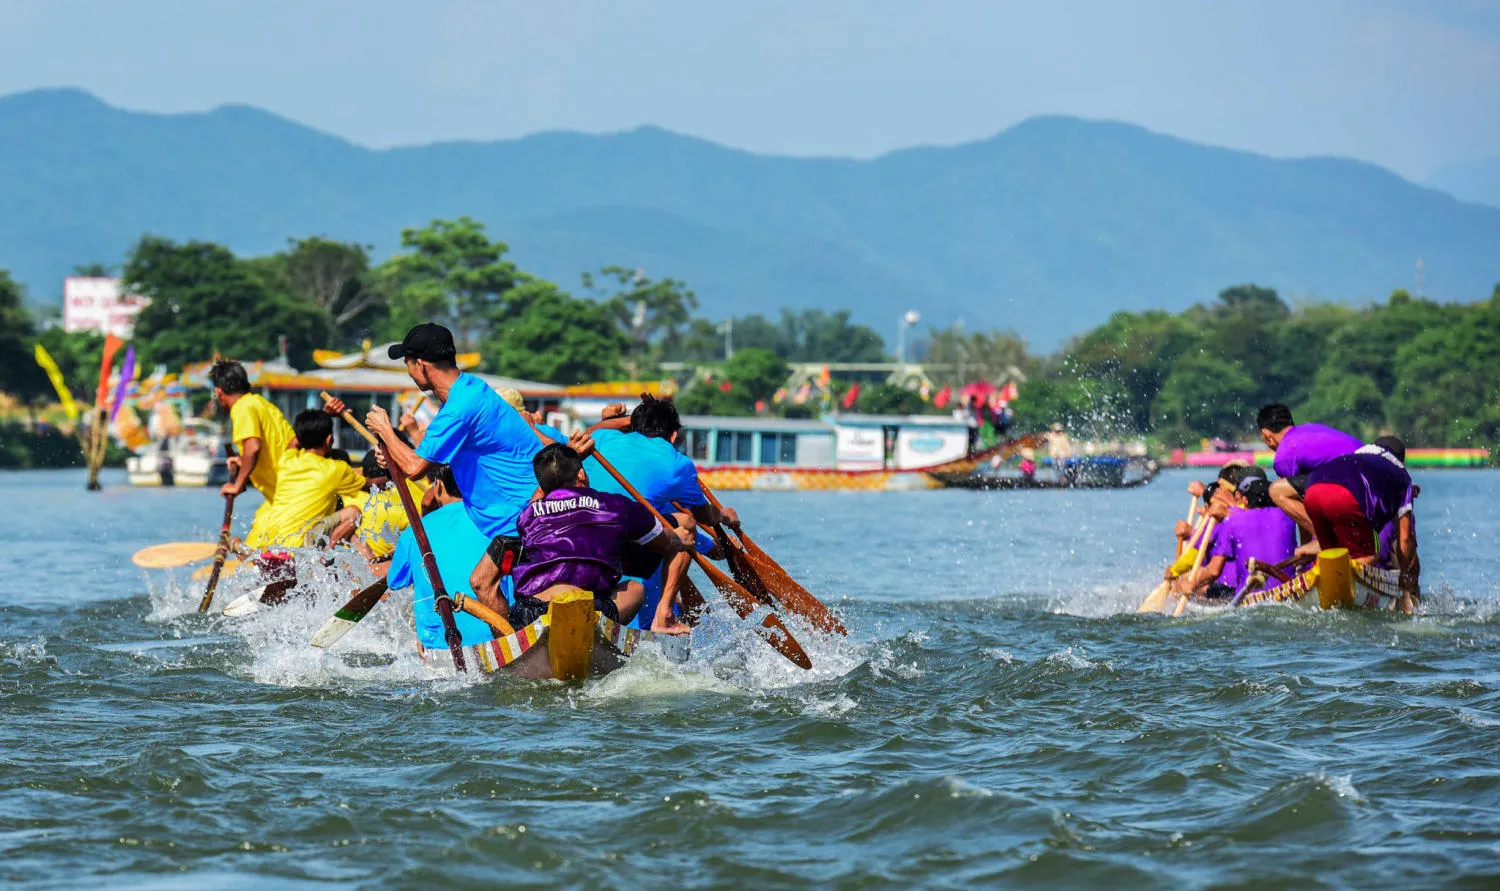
column 1334, row 581
column 571, row 641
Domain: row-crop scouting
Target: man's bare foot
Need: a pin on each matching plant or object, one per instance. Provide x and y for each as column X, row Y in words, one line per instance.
column 670, row 625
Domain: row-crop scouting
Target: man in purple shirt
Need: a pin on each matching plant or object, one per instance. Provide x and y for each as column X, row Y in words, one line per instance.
column 572, row 537
column 1300, row 449
column 1257, row 528
column 1351, row 497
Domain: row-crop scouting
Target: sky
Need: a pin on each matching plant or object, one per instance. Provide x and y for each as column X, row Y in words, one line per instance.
column 1407, row 84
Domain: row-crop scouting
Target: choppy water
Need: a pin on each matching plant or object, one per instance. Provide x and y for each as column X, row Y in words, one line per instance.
column 998, row 716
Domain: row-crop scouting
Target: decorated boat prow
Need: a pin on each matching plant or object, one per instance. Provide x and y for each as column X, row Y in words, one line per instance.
column 571, row 641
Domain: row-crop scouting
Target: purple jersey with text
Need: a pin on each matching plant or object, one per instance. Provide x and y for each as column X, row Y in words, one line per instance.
column 1376, row 480
column 574, row 536
column 1309, row 446
column 1265, row 533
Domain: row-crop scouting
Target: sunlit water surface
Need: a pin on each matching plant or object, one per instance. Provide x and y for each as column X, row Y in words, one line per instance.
column 998, row 715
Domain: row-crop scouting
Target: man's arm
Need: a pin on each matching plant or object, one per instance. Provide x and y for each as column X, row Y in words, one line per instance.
column 243, row 465
column 484, row 581
column 1406, row 562
column 396, row 451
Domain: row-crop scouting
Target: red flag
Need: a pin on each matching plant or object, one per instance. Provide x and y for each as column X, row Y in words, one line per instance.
column 112, row 345
column 941, row 399
column 851, row 396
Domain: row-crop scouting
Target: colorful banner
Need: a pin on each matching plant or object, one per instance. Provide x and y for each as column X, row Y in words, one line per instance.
column 127, row 371
column 112, row 345
column 54, row 374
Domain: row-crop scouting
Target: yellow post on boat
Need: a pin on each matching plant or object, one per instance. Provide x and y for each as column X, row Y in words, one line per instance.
column 571, row 623
column 1335, row 579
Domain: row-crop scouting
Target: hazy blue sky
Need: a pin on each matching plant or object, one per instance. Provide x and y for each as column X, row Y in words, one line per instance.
column 1410, row 85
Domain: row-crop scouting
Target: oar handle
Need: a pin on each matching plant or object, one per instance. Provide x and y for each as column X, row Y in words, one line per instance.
column 220, row 555
column 473, row 607
column 440, row 599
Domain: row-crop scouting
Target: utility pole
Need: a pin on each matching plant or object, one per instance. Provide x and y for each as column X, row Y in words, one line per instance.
column 728, row 329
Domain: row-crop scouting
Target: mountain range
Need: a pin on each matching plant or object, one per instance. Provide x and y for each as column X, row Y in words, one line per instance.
column 1476, row 181
column 1046, row 228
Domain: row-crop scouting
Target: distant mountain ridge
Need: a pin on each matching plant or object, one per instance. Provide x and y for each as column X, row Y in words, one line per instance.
column 1047, row 227
column 1476, row 181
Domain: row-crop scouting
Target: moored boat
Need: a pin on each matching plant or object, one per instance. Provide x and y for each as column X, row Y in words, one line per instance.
column 572, row 641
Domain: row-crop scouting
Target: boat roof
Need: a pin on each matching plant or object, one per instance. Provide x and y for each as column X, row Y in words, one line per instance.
column 858, row 420
column 366, row 379
column 770, row 425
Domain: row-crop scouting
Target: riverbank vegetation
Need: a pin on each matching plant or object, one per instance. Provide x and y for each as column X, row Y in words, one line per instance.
column 1410, row 365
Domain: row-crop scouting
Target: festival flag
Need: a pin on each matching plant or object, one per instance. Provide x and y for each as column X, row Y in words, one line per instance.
column 127, row 371
column 779, row 396
column 925, row 391
column 54, row 374
column 112, row 345
column 760, row 406
column 1009, row 392
column 941, row 399
column 803, row 392
column 851, row 396
column 824, row 377
column 725, row 387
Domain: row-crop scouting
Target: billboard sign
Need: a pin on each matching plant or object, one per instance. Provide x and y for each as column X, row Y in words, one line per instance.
column 94, row 303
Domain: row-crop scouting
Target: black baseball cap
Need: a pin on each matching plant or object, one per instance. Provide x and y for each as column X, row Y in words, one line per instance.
column 428, row 340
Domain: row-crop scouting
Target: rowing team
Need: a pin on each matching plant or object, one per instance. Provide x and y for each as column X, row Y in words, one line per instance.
column 513, row 510
column 1340, row 493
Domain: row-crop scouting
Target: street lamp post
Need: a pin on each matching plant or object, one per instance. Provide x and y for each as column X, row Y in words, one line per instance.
column 910, row 318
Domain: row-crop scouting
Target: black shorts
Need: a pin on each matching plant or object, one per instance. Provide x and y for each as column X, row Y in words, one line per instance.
column 1217, row 591
column 1299, row 483
column 640, row 562
column 528, row 609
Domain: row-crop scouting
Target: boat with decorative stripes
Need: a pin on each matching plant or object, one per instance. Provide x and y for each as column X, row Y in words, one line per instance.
column 571, row 641
column 1334, row 582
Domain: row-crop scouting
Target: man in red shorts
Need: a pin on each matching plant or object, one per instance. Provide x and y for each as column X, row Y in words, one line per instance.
column 1351, row 498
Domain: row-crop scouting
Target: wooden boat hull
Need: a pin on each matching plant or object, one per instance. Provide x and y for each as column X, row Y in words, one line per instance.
column 571, row 642
column 987, row 481
column 1333, row 582
column 739, row 478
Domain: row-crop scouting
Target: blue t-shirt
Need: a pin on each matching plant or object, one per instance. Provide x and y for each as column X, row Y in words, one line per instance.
column 458, row 546
column 654, row 466
column 490, row 448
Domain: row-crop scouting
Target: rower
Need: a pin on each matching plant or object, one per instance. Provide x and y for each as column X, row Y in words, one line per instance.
column 1255, row 528
column 381, row 518
column 259, row 431
column 457, row 544
column 647, row 456
column 486, row 442
column 1385, row 551
column 1219, row 492
column 1350, row 497
column 573, row 536
column 309, row 485
column 1300, row 449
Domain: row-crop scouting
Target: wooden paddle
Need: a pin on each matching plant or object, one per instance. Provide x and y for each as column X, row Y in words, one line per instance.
column 440, row 599
column 471, row 605
column 349, row 615
column 771, row 629
column 1208, row 533
column 1156, row 601
column 777, row 582
column 220, row 554
column 1192, row 513
column 174, row 554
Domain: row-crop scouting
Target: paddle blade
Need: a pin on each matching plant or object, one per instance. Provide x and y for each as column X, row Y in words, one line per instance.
column 770, row 629
column 244, row 605
column 349, row 615
column 173, row 554
column 1156, row 600
column 202, row 573
column 788, row 593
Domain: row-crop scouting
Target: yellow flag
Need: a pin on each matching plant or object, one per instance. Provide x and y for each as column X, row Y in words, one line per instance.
column 55, row 375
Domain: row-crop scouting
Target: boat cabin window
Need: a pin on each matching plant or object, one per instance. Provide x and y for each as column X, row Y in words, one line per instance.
column 693, row 443
column 734, row 448
column 778, row 448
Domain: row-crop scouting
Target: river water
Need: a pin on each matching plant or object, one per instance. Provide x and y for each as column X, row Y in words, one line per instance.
column 997, row 716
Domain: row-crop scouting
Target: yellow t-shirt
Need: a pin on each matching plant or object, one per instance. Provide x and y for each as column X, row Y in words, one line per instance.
column 381, row 516
column 253, row 416
column 308, row 487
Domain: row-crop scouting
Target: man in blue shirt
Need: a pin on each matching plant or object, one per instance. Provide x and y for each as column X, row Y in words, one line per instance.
column 485, row 441
column 457, row 544
column 648, row 457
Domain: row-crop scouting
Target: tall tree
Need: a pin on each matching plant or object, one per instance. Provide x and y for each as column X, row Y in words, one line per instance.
column 553, row 337
column 957, row 357
column 205, row 300
column 652, row 314
column 452, row 272
column 331, row 275
column 19, row 374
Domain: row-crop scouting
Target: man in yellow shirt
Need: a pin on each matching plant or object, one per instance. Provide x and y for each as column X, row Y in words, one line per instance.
column 308, row 485
column 381, row 517
column 258, row 429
